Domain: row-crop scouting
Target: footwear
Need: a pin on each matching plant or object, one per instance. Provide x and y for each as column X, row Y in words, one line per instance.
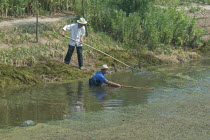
column 81, row 68
column 66, row 63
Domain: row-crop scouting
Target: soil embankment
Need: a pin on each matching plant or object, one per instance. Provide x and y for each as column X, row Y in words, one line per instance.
column 30, row 20
column 202, row 14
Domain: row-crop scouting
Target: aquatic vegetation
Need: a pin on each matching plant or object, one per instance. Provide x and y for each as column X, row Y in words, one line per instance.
column 172, row 117
column 12, row 76
column 53, row 71
column 41, row 72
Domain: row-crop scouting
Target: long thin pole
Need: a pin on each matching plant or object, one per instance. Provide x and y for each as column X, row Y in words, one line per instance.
column 83, row 8
column 83, row 14
column 101, row 52
column 37, row 21
column 142, row 88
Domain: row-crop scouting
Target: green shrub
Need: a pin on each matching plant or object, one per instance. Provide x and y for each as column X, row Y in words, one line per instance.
column 134, row 23
column 205, row 48
column 142, row 23
column 22, row 7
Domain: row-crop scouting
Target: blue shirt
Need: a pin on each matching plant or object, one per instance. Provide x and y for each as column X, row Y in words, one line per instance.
column 99, row 77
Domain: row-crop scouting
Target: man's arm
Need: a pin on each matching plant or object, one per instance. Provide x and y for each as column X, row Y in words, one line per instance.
column 81, row 39
column 65, row 28
column 83, row 35
column 63, row 33
column 112, row 84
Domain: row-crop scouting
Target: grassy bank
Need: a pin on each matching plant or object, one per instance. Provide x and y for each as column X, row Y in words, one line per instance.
column 18, row 47
column 56, row 71
column 24, row 62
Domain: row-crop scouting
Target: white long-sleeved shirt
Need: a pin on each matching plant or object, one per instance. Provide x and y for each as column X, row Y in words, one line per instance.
column 75, row 32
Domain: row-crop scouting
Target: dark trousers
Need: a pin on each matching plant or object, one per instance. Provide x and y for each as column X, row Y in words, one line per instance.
column 70, row 53
column 93, row 82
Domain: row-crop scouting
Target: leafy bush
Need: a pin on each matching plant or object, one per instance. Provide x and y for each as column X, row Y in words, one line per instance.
column 135, row 23
column 22, row 7
column 140, row 23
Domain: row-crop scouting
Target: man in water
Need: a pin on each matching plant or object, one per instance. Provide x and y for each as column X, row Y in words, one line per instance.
column 98, row 78
column 77, row 31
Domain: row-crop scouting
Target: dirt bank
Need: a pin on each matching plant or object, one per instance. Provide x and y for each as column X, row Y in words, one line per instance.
column 31, row 20
column 202, row 14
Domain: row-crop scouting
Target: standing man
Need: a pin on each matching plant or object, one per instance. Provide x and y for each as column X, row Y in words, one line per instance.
column 98, row 78
column 77, row 31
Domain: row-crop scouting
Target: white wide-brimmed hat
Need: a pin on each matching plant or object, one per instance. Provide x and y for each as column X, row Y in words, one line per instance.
column 82, row 21
column 104, row 67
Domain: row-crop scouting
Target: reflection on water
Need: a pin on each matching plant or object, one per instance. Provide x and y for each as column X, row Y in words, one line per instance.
column 99, row 92
column 76, row 104
column 58, row 101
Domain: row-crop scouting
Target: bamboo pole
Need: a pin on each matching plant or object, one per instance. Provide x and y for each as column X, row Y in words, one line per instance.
column 83, row 9
column 37, row 21
column 142, row 88
column 83, row 14
column 101, row 52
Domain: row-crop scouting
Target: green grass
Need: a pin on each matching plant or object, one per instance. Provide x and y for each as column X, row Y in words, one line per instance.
column 23, row 51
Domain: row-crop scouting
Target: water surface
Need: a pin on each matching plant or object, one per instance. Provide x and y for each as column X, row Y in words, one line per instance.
column 51, row 102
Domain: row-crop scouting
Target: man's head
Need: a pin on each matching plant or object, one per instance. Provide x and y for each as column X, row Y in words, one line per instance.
column 81, row 22
column 104, row 68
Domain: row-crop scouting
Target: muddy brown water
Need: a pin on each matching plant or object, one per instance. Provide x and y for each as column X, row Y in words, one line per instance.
column 53, row 102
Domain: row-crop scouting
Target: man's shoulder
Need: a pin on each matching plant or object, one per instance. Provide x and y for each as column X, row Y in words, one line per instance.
column 99, row 73
column 83, row 28
column 72, row 25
